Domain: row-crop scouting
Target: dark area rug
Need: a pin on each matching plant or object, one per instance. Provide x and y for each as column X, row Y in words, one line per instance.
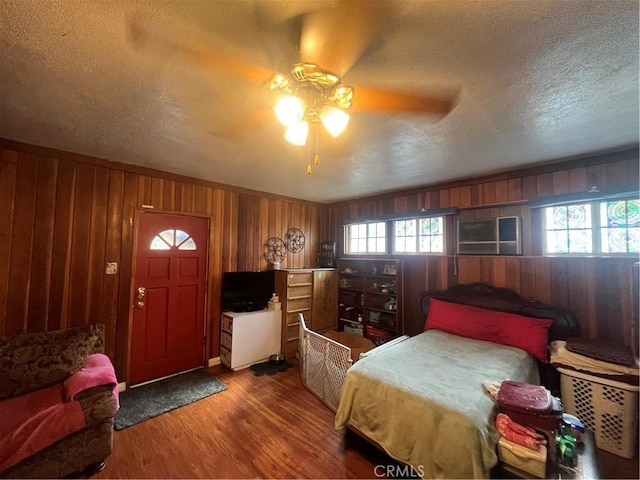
column 148, row 401
column 270, row 368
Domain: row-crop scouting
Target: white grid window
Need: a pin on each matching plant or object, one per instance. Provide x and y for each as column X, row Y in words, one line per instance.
column 368, row 237
column 419, row 235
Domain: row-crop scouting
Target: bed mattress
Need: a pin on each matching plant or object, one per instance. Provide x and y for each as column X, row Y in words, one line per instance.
column 422, row 400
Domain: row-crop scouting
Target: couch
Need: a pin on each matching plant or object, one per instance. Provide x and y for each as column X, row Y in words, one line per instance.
column 58, row 399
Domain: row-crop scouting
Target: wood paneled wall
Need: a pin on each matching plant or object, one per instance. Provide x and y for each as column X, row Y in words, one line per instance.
column 64, row 216
column 599, row 291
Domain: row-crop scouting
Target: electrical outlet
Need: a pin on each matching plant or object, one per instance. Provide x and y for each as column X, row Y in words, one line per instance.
column 112, row 268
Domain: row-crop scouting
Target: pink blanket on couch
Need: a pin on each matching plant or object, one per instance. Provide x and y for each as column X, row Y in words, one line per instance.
column 35, row 420
column 97, row 371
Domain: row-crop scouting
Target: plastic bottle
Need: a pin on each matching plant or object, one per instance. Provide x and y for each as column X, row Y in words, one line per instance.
column 567, row 452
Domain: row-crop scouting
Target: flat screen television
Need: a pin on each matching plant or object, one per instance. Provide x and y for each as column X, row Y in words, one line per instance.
column 246, row 291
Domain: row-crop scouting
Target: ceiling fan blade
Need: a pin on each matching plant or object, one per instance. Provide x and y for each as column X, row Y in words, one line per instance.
column 369, row 99
column 192, row 46
column 280, row 41
column 335, row 38
column 242, row 126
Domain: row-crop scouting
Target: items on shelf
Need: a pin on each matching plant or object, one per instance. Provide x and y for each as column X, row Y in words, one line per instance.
column 532, row 424
column 328, row 254
column 370, row 297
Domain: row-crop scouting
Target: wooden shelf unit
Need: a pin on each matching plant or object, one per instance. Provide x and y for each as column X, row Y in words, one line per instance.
column 370, row 297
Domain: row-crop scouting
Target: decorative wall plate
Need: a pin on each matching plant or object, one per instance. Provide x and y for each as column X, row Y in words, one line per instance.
column 295, row 240
column 275, row 250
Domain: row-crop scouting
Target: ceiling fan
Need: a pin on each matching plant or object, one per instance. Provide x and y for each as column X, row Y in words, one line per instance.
column 333, row 36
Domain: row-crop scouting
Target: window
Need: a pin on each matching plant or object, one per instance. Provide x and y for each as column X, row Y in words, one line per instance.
column 593, row 228
column 172, row 238
column 370, row 237
column 620, row 226
column 569, row 229
column 419, row 235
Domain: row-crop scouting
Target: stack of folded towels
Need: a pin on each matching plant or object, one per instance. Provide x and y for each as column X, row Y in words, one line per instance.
column 612, row 362
column 521, row 446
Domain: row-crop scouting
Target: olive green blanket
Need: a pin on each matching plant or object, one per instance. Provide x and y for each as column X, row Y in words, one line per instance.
column 422, row 400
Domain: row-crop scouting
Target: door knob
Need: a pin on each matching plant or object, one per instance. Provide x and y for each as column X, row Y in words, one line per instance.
column 139, row 304
column 141, row 292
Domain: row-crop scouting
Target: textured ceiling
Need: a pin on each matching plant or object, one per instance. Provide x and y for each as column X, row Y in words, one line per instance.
column 537, row 80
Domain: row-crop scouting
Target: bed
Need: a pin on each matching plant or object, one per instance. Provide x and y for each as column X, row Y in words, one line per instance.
column 422, row 400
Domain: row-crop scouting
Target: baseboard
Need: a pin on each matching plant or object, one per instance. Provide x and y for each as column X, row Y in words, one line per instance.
column 122, row 386
column 213, row 362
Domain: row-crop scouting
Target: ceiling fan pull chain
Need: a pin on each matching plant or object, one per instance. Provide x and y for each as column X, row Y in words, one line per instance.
column 308, row 159
column 316, row 159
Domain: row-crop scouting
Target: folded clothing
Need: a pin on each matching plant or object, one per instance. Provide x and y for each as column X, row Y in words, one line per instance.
column 604, row 351
column 516, row 433
column 531, row 461
column 561, row 355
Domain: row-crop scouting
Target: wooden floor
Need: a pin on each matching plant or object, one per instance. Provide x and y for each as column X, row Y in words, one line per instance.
column 260, row 427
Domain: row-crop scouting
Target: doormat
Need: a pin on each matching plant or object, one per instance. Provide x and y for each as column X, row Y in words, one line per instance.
column 142, row 403
column 270, row 368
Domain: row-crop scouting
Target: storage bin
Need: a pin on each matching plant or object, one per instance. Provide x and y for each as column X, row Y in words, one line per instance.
column 355, row 330
column 377, row 335
column 609, row 408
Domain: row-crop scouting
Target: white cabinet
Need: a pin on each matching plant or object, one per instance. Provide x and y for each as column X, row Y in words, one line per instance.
column 249, row 337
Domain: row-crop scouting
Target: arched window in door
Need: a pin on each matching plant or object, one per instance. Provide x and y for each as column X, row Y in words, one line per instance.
column 168, row 239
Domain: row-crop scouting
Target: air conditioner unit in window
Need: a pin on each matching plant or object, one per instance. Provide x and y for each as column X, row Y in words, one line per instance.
column 492, row 236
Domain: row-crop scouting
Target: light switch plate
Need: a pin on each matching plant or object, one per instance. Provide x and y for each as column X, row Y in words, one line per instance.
column 112, row 268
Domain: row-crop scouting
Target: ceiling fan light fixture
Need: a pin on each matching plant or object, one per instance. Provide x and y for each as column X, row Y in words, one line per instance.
column 289, row 110
column 277, row 81
column 297, row 133
column 342, row 96
column 334, row 120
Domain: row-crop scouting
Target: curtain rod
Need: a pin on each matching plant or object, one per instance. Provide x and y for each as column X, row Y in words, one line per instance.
column 424, row 213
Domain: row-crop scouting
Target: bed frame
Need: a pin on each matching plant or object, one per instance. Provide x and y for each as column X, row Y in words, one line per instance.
column 324, row 362
column 485, row 295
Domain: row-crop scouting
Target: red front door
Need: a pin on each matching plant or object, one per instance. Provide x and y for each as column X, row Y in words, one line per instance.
column 168, row 302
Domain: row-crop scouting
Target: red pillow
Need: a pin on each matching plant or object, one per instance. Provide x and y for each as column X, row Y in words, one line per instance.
column 529, row 334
